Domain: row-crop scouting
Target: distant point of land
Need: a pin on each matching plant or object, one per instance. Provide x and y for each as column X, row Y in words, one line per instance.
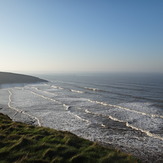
column 12, row 78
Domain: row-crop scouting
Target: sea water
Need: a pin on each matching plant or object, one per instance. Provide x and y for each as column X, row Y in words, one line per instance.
column 124, row 111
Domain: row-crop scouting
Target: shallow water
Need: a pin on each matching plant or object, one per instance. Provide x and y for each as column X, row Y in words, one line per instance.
column 123, row 111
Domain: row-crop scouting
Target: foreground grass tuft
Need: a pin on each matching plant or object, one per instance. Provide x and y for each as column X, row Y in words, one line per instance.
column 22, row 143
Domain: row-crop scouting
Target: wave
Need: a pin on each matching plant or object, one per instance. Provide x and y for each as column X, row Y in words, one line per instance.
column 102, row 125
column 47, row 98
column 56, row 87
column 60, row 81
column 148, row 133
column 85, row 120
column 53, row 86
column 141, row 85
column 68, row 108
column 117, row 87
column 144, row 131
column 106, row 91
column 72, row 90
column 60, row 88
column 106, row 85
column 41, row 90
column 93, row 89
column 50, row 99
column 21, row 111
column 123, row 94
column 76, row 91
column 97, row 102
column 125, row 108
column 95, row 84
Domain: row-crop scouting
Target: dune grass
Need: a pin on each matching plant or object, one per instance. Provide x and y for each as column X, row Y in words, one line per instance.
column 22, row 143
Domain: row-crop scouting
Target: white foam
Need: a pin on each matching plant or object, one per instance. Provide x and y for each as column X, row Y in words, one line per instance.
column 92, row 89
column 143, row 107
column 60, row 88
column 42, row 91
column 103, row 125
column 125, row 108
column 145, row 131
column 76, row 91
column 53, row 86
column 20, row 111
column 87, row 111
column 128, row 125
column 66, row 106
column 81, row 118
column 47, row 98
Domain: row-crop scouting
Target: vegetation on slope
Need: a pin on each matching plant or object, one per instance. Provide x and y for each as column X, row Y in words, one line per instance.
column 11, row 78
column 24, row 143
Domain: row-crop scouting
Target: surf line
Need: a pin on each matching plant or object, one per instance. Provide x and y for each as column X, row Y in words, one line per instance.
column 39, row 90
column 47, row 98
column 124, row 108
column 50, row 99
column 64, row 105
column 42, row 90
column 127, row 125
column 82, row 119
column 20, row 111
column 76, row 91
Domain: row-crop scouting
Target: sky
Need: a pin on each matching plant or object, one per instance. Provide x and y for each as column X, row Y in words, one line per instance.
column 48, row 36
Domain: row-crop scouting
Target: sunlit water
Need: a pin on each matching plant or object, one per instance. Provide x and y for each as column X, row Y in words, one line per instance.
column 123, row 111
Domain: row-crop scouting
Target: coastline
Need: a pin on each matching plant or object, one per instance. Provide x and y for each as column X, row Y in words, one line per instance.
column 27, row 143
column 138, row 150
column 146, row 156
column 14, row 78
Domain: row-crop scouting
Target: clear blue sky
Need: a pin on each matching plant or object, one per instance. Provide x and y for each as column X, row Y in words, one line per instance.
column 81, row 35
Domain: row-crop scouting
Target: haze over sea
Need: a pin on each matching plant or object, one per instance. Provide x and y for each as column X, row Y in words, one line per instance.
column 124, row 111
column 109, row 58
column 81, row 36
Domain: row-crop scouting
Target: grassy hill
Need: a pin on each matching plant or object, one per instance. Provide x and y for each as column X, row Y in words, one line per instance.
column 12, row 78
column 22, row 143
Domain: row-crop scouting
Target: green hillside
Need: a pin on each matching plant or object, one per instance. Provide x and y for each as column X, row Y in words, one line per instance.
column 22, row 143
column 12, row 78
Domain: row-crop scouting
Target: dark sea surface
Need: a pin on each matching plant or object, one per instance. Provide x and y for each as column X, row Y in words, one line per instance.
column 120, row 110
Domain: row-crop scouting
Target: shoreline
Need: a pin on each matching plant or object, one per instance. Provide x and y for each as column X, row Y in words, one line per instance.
column 140, row 145
column 147, row 154
column 51, row 145
column 146, row 158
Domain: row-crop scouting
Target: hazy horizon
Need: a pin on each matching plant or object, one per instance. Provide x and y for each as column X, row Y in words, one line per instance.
column 90, row 36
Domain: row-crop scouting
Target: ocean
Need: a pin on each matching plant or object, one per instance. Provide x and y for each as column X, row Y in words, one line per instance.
column 124, row 111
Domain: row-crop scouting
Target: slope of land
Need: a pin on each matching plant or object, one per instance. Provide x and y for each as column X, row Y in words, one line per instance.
column 20, row 142
column 12, row 78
